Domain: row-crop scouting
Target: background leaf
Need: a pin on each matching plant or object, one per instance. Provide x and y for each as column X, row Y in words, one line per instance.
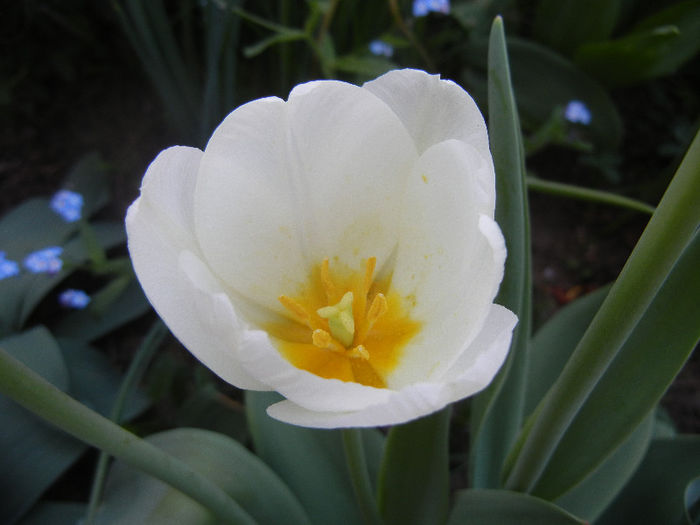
column 310, row 461
column 656, row 492
column 133, row 497
column 657, row 46
column 566, row 24
column 501, row 507
column 414, row 479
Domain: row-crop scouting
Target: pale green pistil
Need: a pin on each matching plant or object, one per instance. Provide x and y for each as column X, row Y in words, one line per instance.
column 340, row 320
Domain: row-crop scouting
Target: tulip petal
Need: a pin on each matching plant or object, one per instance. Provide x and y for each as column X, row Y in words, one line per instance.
column 433, row 110
column 159, row 226
column 282, row 185
column 449, row 261
column 489, row 348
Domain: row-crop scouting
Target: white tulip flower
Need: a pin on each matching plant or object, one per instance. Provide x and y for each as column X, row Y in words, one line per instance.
column 338, row 247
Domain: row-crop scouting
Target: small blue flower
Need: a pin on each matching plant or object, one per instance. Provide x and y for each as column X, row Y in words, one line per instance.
column 7, row 268
column 68, row 204
column 380, row 48
column 423, row 7
column 76, row 299
column 577, row 112
column 47, row 260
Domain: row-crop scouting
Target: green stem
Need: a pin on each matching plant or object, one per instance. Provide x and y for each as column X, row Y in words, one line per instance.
column 34, row 393
column 665, row 237
column 355, row 458
column 398, row 19
column 587, row 194
column 138, row 365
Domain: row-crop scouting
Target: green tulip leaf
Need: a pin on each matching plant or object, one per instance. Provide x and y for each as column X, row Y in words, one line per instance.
column 665, row 336
column 311, row 462
column 501, row 507
column 554, row 343
column 34, row 454
column 656, row 492
column 414, row 479
column 590, row 498
column 566, row 24
column 133, row 497
column 657, row 46
column 497, row 412
column 650, row 307
column 55, row 513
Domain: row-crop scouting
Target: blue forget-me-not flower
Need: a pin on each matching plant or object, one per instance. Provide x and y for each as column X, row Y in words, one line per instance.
column 68, row 204
column 577, row 112
column 47, row 260
column 423, row 7
column 381, row 48
column 8, row 268
column 76, row 299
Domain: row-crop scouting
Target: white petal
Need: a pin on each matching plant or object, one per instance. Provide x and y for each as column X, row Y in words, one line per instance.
column 432, row 110
column 467, row 376
column 449, row 261
column 159, row 226
column 284, row 185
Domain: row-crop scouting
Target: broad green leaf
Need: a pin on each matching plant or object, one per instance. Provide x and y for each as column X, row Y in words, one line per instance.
column 657, row 46
column 55, row 513
column 95, row 382
column 208, row 408
column 692, row 502
column 414, row 479
column 133, row 497
column 566, row 24
column 655, row 494
column 34, row 454
column 554, row 343
column 669, row 231
column 85, row 325
column 498, row 411
column 651, row 357
column 590, row 497
column 310, row 461
column 501, row 507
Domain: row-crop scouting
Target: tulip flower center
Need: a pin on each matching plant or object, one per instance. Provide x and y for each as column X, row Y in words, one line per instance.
column 345, row 325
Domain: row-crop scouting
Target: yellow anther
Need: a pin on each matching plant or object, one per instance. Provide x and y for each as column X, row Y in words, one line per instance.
column 323, row 339
column 340, row 319
column 369, row 273
column 378, row 308
column 326, row 281
column 359, row 352
column 301, row 314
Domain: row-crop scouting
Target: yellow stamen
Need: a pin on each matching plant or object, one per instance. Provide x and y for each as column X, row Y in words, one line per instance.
column 326, row 281
column 369, row 273
column 323, row 339
column 302, row 315
column 344, row 325
column 359, row 352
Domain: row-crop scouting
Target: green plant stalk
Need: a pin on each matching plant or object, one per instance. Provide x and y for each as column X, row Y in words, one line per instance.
column 357, row 465
column 138, row 365
column 33, row 392
column 587, row 194
column 398, row 19
column 668, row 232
